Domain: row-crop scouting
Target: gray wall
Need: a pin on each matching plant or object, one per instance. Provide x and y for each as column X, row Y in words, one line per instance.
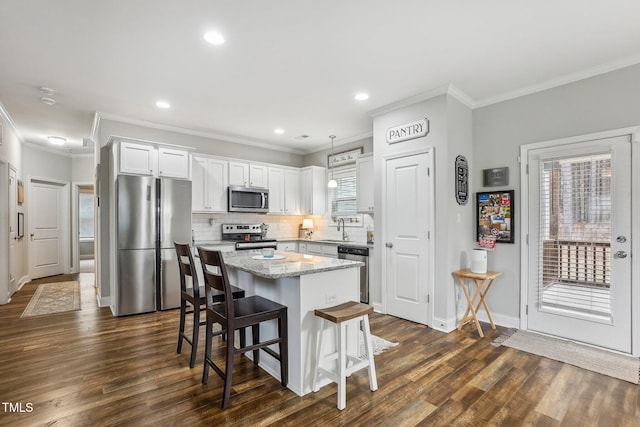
column 604, row 102
column 450, row 124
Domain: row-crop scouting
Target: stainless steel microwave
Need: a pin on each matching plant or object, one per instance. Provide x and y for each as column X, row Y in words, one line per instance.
column 248, row 199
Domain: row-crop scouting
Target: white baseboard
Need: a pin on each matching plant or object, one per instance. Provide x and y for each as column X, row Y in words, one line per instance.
column 444, row 325
column 23, row 280
column 449, row 325
column 377, row 307
column 500, row 319
column 103, row 301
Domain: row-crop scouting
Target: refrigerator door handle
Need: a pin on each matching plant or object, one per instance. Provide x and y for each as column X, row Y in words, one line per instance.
column 148, row 193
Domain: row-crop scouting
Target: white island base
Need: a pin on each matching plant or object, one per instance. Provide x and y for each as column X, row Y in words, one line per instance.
column 302, row 295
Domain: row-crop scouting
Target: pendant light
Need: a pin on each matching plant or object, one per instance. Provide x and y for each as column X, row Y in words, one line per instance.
column 332, row 182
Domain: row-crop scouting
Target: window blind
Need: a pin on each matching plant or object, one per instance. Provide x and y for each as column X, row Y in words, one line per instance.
column 574, row 252
column 343, row 197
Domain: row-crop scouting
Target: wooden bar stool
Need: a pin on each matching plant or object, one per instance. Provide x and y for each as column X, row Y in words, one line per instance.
column 193, row 299
column 341, row 315
column 236, row 315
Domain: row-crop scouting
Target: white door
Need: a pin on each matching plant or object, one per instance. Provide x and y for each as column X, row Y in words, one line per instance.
column 48, row 217
column 409, row 207
column 13, row 232
column 579, row 261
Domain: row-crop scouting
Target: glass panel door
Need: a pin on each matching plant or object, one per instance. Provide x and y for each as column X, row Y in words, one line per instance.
column 579, row 233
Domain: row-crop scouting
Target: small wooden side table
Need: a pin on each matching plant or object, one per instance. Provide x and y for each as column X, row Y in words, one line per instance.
column 483, row 282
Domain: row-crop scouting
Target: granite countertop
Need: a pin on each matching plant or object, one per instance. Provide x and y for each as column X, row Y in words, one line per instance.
column 292, row 265
column 293, row 239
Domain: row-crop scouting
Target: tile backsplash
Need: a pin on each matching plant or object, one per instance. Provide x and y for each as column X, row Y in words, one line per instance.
column 207, row 227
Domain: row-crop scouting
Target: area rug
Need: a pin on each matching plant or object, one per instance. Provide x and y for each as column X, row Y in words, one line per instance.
column 379, row 345
column 615, row 365
column 52, row 298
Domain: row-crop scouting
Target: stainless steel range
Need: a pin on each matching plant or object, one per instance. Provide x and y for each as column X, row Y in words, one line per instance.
column 248, row 236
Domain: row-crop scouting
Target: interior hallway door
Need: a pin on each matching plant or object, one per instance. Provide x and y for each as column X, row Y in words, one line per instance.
column 48, row 228
column 409, row 215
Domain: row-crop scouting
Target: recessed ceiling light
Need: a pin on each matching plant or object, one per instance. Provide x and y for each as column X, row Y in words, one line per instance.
column 361, row 96
column 214, row 38
column 279, row 131
column 57, row 140
column 163, row 104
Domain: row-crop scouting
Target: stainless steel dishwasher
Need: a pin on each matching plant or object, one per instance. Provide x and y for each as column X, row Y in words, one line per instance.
column 358, row 253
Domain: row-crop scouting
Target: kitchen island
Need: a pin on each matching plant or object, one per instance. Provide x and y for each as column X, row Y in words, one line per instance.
column 303, row 283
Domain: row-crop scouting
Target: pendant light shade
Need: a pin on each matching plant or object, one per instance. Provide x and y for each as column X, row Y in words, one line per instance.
column 332, row 182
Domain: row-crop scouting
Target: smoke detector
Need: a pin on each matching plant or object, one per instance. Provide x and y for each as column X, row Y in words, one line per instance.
column 46, row 91
column 47, row 100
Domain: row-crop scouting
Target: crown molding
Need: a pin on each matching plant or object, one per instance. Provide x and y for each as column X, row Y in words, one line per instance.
column 560, row 81
column 424, row 96
column 7, row 118
column 210, row 135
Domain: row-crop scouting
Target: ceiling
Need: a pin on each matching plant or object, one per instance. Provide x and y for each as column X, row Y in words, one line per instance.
column 293, row 64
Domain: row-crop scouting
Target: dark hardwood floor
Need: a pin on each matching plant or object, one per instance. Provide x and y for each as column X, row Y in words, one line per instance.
column 87, row 368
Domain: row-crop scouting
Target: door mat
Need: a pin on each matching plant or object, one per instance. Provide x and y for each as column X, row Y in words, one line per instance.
column 604, row 362
column 51, row 298
column 379, row 345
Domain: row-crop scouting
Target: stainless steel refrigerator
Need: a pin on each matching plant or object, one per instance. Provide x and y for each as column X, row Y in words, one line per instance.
column 151, row 214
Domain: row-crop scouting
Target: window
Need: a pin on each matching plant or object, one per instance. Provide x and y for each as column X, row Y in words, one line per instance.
column 85, row 215
column 343, row 198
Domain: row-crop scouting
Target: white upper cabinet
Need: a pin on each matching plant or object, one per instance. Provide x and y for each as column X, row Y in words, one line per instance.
column 291, row 192
column 138, row 159
column 146, row 159
column 258, row 175
column 276, row 190
column 313, row 193
column 173, row 163
column 283, row 191
column 364, row 183
column 238, row 173
column 248, row 174
column 209, row 184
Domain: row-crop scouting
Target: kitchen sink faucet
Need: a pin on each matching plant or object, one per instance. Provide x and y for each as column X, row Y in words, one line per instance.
column 345, row 236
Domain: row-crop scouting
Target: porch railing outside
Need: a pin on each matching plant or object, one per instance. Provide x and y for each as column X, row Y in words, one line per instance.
column 574, row 262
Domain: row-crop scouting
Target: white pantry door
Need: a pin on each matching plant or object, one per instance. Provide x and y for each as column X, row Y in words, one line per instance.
column 409, row 210
column 579, row 255
column 48, row 213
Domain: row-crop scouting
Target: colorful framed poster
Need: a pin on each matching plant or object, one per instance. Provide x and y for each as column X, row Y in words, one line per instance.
column 495, row 216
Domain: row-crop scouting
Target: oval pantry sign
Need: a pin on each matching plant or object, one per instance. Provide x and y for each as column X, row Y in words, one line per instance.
column 408, row 131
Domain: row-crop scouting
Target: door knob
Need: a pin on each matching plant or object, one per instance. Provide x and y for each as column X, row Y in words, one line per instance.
column 620, row 254
column 389, row 244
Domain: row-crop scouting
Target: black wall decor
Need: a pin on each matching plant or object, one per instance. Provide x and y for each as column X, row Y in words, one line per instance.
column 495, row 216
column 462, row 180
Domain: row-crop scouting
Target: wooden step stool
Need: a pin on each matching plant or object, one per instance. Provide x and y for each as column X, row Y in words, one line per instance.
column 341, row 315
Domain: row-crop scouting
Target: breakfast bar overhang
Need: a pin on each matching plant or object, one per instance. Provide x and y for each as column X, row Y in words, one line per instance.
column 303, row 283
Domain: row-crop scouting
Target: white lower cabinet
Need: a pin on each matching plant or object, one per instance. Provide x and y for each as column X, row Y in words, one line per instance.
column 315, row 248
column 288, row 246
